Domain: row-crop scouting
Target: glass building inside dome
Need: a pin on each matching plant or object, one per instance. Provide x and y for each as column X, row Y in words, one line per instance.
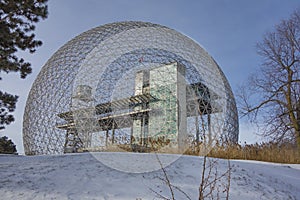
column 129, row 86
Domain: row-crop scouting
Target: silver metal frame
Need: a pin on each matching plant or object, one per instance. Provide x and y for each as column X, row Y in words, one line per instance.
column 99, row 67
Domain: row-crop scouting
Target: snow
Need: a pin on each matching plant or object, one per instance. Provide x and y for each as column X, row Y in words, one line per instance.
column 137, row 176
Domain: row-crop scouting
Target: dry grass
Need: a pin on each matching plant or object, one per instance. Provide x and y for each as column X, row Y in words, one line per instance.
column 269, row 152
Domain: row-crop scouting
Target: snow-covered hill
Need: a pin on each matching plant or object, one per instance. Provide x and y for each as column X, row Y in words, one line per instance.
column 136, row 176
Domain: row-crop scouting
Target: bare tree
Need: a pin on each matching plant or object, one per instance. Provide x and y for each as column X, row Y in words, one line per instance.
column 271, row 97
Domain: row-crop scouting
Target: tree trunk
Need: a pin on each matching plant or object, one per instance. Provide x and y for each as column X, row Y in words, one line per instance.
column 297, row 128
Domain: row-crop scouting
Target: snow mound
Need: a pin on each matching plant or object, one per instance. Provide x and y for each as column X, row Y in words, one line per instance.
column 86, row 176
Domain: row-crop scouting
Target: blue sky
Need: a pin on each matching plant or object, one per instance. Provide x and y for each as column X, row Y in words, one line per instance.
column 227, row 29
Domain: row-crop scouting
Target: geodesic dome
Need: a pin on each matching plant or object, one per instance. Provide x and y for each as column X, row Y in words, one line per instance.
column 127, row 83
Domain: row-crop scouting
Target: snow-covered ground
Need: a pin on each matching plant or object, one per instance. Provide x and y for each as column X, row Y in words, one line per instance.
column 137, row 176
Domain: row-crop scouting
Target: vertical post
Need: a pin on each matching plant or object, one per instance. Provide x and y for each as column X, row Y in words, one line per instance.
column 209, row 128
column 142, row 131
column 146, row 130
column 106, row 138
column 67, row 140
column 197, row 128
column 113, row 132
column 131, row 135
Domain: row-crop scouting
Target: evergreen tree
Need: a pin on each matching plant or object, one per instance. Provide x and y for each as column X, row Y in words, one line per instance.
column 17, row 23
column 7, row 146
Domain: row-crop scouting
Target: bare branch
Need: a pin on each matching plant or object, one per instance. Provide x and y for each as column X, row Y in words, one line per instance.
column 270, row 96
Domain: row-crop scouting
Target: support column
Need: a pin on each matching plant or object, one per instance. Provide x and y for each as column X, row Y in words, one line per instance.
column 209, row 129
column 113, row 132
column 197, row 129
column 106, row 138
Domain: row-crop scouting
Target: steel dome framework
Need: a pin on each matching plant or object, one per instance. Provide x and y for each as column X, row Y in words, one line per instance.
column 129, row 84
